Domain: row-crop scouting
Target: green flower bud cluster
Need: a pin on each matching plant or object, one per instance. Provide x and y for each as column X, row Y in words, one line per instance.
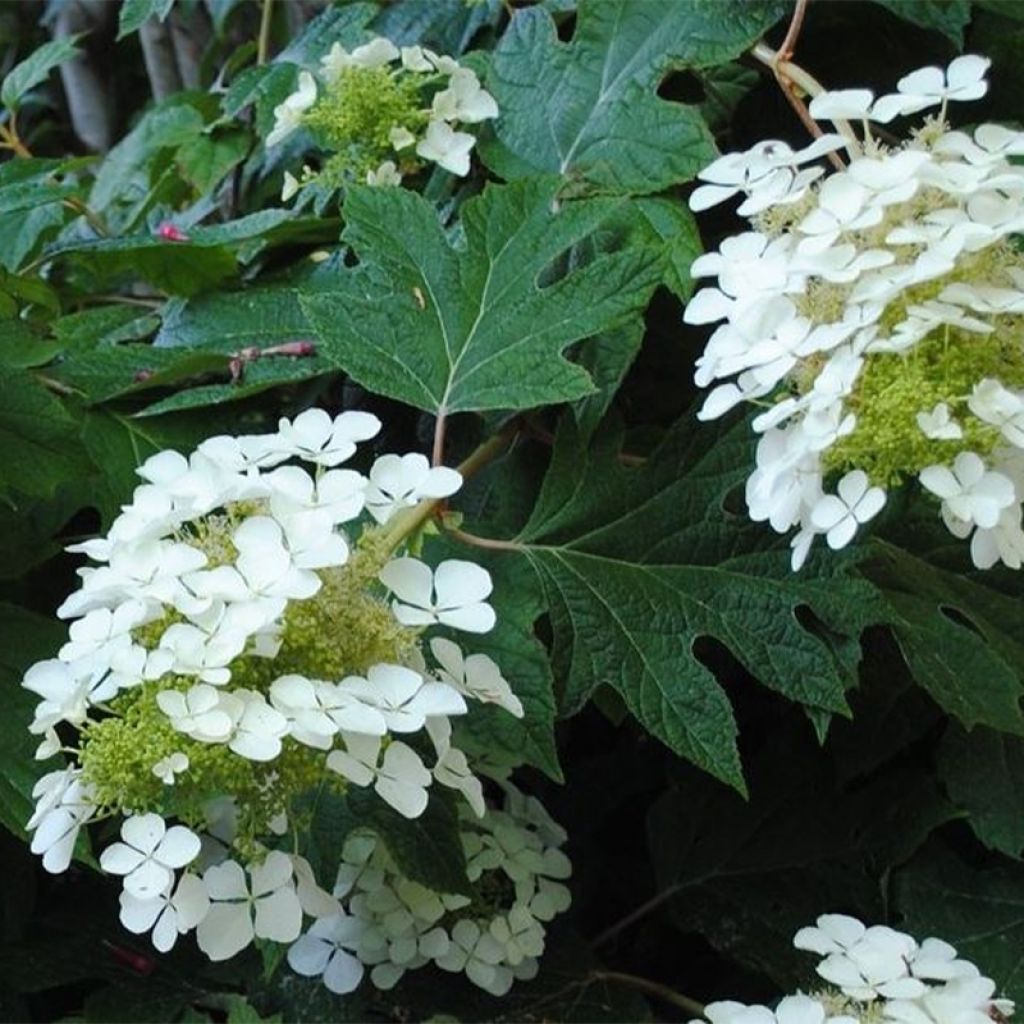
column 354, row 117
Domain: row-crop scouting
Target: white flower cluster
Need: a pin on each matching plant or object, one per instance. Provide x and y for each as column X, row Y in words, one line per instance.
column 431, row 133
column 877, row 315
column 392, row 925
column 236, row 637
column 881, row 975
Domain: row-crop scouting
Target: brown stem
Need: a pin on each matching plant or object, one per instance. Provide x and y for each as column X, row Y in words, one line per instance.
column 788, row 47
column 437, row 456
column 653, row 988
column 791, row 76
column 412, row 519
column 636, row 914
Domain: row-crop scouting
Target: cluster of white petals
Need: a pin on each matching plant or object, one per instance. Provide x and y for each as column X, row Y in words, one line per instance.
column 386, row 924
column 876, row 315
column 461, row 101
column 249, row 551
column 878, row 974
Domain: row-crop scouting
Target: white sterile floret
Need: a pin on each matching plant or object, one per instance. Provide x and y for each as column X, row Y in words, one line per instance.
column 962, row 1000
column 400, row 779
column 314, row 436
column 969, row 490
column 963, row 80
column 476, row 676
column 67, row 691
column 289, row 187
column 385, row 175
column 304, row 704
column 149, row 854
column 288, row 115
column 326, row 950
column 796, row 1009
column 400, row 481
column 764, row 174
column 64, row 804
column 198, row 713
column 375, row 54
column 446, row 147
column 464, row 100
column 168, row 767
column 146, row 571
column 258, row 727
column 453, row 594
column 479, row 955
column 865, row 963
column 452, row 770
column 265, row 563
column 402, row 697
column 939, row 425
column 838, row 516
column 1000, row 407
column 265, row 906
column 175, row 911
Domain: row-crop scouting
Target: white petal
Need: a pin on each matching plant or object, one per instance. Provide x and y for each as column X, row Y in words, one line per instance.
column 225, row 931
column 279, row 915
column 458, row 582
column 410, row 580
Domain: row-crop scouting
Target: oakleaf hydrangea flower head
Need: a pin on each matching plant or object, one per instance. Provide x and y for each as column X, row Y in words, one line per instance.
column 381, row 113
column 389, row 925
column 251, row 633
column 876, row 315
column 877, row 974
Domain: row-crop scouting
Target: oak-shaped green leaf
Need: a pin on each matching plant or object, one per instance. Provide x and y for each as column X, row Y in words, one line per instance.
column 589, row 109
column 960, row 637
column 640, row 564
column 982, row 770
column 475, row 322
column 979, row 910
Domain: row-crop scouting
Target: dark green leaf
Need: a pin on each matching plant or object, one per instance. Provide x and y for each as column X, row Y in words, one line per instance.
column 452, row 329
column 980, row 911
column 38, row 437
column 25, row 638
column 588, row 109
column 960, row 638
column 135, row 12
column 982, row 770
column 34, row 69
column 447, row 26
column 205, row 159
column 949, row 17
column 640, row 564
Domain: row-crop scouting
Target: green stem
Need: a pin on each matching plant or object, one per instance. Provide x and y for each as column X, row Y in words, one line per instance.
column 263, row 46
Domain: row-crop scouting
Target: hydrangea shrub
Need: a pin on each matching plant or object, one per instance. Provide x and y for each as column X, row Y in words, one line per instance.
column 418, row 421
